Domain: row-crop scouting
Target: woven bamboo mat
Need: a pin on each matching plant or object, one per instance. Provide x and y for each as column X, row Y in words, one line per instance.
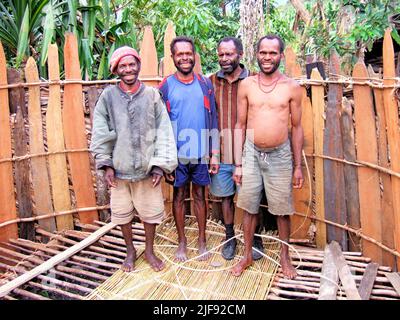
column 193, row 279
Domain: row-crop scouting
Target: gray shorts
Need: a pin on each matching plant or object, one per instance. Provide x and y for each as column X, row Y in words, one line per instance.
column 271, row 168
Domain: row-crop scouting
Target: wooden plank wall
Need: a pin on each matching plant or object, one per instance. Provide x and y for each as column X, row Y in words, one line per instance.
column 365, row 129
column 331, row 128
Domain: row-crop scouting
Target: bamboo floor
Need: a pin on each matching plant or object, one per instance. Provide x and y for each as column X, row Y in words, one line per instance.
column 93, row 272
column 193, row 279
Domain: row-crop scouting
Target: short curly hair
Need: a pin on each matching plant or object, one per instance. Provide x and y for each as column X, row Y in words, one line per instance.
column 181, row 39
column 272, row 37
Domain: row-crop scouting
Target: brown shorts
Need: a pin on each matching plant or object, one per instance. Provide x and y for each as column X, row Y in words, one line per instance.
column 139, row 196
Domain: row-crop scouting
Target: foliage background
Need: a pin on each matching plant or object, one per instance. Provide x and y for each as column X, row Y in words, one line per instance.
column 28, row 26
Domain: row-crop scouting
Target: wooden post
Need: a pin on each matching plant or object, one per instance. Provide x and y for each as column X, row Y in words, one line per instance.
column 102, row 194
column 392, row 122
column 335, row 203
column 387, row 198
column 350, row 174
column 55, row 142
column 301, row 197
column 22, row 183
column 197, row 67
column 345, row 275
column 368, row 178
column 148, row 54
column 40, row 178
column 168, row 63
column 74, row 130
column 318, row 106
column 329, row 280
column 8, row 210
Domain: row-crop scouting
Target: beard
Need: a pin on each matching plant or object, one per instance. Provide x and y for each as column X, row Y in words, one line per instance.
column 229, row 68
column 275, row 66
column 185, row 71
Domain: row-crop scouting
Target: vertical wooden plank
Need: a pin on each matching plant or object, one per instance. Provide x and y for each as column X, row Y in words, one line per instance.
column 168, row 63
column 367, row 281
column 329, row 280
column 55, row 143
column 344, row 272
column 301, row 197
column 40, row 178
column 368, row 178
column 14, row 94
column 350, row 174
column 148, row 53
column 318, row 106
column 75, row 132
column 22, row 183
column 8, row 209
column 197, row 67
column 392, row 122
column 386, row 196
column 335, row 204
column 394, row 279
column 102, row 194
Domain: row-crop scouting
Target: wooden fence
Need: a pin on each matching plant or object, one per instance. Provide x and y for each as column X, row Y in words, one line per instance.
column 351, row 150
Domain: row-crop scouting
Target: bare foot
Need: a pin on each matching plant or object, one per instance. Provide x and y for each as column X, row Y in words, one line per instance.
column 203, row 252
column 238, row 269
column 154, row 261
column 289, row 272
column 180, row 254
column 129, row 264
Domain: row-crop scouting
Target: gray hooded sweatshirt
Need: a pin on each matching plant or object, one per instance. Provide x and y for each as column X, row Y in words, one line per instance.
column 132, row 133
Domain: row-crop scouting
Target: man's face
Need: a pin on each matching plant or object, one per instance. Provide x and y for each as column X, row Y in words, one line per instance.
column 228, row 57
column 269, row 56
column 128, row 70
column 183, row 57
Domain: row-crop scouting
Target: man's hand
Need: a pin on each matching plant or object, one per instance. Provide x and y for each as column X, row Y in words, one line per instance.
column 156, row 179
column 156, row 173
column 297, row 178
column 237, row 175
column 110, row 177
column 169, row 177
column 214, row 165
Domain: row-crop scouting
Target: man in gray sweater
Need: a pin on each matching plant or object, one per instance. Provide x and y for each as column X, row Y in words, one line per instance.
column 133, row 141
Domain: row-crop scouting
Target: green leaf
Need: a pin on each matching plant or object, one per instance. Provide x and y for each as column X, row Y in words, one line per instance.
column 48, row 33
column 396, row 36
column 23, row 39
column 102, row 71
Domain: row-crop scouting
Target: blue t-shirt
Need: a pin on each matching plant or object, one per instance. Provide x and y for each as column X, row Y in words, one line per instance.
column 188, row 118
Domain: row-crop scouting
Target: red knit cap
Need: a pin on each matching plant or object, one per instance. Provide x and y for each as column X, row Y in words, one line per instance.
column 119, row 54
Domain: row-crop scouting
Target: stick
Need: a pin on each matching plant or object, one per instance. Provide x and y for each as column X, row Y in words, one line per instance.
column 8, row 287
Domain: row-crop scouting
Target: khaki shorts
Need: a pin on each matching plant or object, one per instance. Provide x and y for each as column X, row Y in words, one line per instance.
column 271, row 168
column 130, row 197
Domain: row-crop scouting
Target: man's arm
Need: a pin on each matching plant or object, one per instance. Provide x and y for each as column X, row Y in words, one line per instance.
column 240, row 130
column 297, row 135
column 103, row 140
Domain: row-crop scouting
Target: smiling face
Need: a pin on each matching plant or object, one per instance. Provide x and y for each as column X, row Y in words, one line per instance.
column 183, row 57
column 269, row 56
column 228, row 57
column 128, row 70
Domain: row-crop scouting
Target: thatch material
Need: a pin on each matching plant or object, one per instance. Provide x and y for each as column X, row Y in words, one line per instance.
column 193, row 279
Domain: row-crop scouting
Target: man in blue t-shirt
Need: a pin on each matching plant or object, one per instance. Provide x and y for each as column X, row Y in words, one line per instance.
column 190, row 101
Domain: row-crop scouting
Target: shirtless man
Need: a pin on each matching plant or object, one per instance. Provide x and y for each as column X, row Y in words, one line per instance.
column 266, row 102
